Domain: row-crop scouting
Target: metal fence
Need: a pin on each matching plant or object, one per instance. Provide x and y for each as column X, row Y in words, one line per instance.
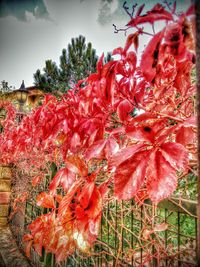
column 131, row 235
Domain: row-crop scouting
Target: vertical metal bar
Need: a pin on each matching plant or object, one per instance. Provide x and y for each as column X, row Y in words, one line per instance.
column 178, row 221
column 100, row 259
column 32, row 212
column 26, row 209
column 166, row 236
column 155, row 262
column 132, row 203
column 196, row 233
column 108, row 231
column 141, row 226
column 116, row 222
column 53, row 261
column 122, row 220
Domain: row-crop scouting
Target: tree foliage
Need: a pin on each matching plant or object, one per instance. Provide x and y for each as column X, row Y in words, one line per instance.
column 76, row 63
column 99, row 142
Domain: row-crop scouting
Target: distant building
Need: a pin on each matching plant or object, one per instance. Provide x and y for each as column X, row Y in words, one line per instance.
column 34, row 96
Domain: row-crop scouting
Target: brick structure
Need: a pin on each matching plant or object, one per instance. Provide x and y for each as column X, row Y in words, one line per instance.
column 5, row 192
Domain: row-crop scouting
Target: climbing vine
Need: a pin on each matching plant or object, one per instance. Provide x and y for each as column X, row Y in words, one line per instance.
column 129, row 130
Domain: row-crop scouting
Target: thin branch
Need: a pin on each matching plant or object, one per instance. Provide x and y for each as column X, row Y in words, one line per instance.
column 120, row 30
column 126, row 8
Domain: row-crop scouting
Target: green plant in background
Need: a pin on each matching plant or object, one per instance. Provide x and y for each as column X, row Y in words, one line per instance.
column 76, row 63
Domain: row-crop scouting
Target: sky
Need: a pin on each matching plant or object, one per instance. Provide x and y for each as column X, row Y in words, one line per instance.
column 32, row 31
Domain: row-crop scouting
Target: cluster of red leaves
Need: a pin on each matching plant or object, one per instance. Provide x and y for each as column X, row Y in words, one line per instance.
column 95, row 122
column 74, row 223
column 7, row 124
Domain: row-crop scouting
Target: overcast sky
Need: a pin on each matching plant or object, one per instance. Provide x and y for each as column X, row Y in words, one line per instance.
column 32, row 31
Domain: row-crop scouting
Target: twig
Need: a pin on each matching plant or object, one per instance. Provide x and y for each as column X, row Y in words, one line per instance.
column 120, row 30
column 126, row 8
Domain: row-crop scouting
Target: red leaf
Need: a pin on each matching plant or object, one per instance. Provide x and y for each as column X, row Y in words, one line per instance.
column 79, row 211
column 58, row 198
column 144, row 117
column 28, row 248
column 38, row 238
column 93, row 77
column 45, row 200
column 124, row 109
column 132, row 39
column 86, row 193
column 149, row 58
column 130, row 175
column 156, row 13
column 175, row 154
column 100, row 63
column 142, row 133
column 104, row 189
column 95, row 204
column 131, row 59
column 93, row 227
column 27, row 237
column 88, row 225
column 164, row 135
column 191, row 122
column 36, row 180
column 126, row 67
column 108, row 72
column 161, row 177
column 102, row 149
column 63, row 177
column 65, row 202
column 185, row 135
column 36, row 225
column 191, row 10
column 75, row 142
column 147, row 130
column 95, row 151
column 77, row 165
column 123, row 155
column 118, row 51
column 140, row 9
column 111, row 147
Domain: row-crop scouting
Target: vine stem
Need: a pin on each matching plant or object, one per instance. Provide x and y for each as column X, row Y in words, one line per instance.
column 170, row 117
column 195, row 173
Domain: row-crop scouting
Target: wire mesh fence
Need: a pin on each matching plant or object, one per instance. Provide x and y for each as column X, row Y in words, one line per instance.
column 130, row 234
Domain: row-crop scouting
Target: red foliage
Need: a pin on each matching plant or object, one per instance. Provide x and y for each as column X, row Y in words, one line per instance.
column 93, row 132
column 158, row 12
column 75, row 224
column 45, row 200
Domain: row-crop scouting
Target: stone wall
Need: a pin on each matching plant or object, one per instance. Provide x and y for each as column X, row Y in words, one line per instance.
column 5, row 192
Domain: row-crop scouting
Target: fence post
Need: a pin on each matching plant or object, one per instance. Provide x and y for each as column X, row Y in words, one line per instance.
column 197, row 7
column 5, row 192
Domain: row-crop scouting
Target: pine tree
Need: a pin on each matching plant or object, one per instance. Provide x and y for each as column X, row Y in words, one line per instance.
column 76, row 63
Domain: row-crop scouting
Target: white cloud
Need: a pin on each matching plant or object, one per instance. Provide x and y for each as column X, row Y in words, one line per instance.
column 26, row 45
